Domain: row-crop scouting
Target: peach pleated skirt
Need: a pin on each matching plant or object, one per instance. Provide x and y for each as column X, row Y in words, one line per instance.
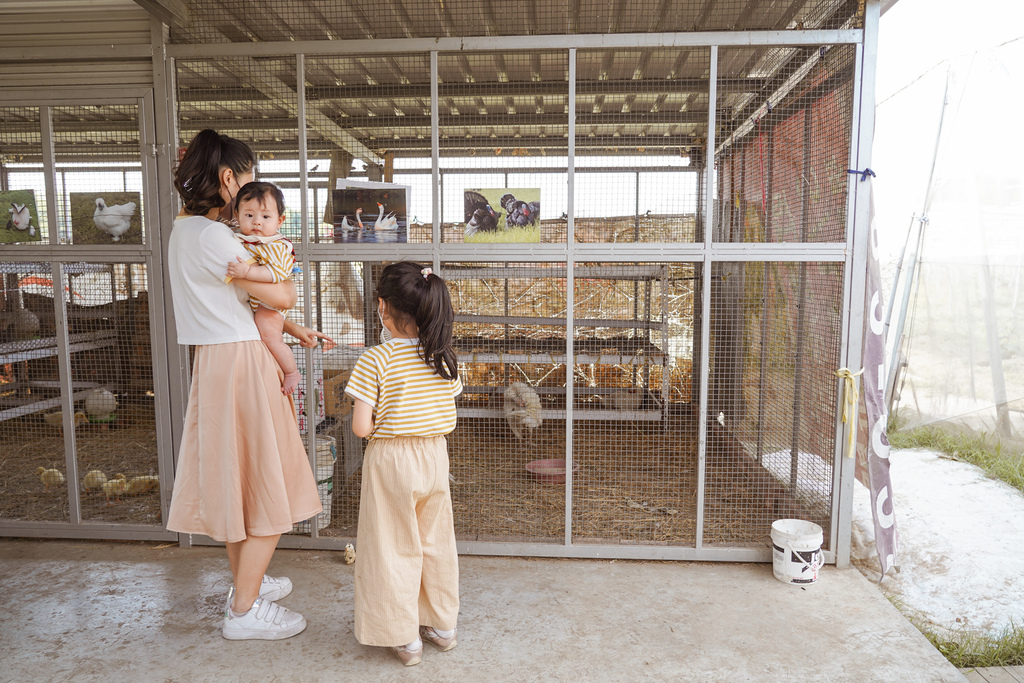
column 242, row 468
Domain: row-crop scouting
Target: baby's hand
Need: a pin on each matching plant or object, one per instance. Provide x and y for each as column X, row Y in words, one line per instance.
column 239, row 269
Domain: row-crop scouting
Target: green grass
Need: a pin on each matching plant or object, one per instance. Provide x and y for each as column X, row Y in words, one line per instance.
column 508, row 235
column 964, row 648
column 999, row 460
column 996, row 459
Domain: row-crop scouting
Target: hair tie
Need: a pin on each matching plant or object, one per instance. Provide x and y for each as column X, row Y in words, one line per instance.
column 425, row 272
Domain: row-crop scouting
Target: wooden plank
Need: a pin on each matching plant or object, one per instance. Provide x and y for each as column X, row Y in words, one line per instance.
column 973, row 675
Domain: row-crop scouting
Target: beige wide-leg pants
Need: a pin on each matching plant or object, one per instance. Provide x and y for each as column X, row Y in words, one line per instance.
column 407, row 568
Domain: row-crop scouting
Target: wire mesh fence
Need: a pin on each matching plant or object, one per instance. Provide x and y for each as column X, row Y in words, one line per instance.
column 592, row 363
column 235, row 20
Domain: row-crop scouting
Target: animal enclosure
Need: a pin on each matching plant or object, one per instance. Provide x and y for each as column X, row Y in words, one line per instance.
column 649, row 373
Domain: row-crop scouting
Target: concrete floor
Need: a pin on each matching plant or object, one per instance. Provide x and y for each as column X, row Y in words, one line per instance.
column 104, row 611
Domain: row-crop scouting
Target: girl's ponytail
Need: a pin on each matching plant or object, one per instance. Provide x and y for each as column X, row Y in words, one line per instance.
column 416, row 294
column 435, row 318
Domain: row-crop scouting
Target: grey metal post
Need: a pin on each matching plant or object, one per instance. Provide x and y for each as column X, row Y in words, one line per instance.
column 570, row 301
column 705, row 328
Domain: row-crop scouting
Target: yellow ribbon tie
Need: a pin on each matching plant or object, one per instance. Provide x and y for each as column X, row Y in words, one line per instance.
column 850, row 404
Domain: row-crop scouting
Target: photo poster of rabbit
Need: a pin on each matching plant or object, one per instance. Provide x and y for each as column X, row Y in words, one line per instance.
column 106, row 217
column 369, row 211
column 502, row 215
column 20, row 218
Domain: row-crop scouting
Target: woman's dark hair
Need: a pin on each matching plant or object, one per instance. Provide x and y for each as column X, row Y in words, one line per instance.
column 197, row 177
column 423, row 299
column 260, row 190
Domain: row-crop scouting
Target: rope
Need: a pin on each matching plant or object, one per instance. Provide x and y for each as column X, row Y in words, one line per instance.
column 863, row 174
column 850, row 404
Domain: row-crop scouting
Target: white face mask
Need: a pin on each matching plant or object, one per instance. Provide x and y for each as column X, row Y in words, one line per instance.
column 385, row 333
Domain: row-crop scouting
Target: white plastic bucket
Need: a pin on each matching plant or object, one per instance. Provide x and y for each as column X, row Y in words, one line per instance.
column 796, row 551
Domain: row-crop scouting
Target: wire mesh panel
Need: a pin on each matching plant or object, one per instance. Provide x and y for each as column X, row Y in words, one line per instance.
column 502, row 136
column 254, row 100
column 343, row 307
column 286, row 20
column 510, row 341
column 364, row 110
column 775, row 330
column 33, row 485
column 107, row 308
column 784, row 144
column 98, row 175
column 22, row 193
column 634, row 434
column 640, row 117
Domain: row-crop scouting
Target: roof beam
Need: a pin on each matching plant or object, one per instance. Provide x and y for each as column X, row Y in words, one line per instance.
column 171, row 12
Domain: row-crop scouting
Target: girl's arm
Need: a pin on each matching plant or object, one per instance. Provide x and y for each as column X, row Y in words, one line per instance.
column 362, row 419
column 307, row 336
column 280, row 295
column 249, row 271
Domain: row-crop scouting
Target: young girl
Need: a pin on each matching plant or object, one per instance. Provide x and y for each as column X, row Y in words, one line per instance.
column 407, row 575
column 272, row 260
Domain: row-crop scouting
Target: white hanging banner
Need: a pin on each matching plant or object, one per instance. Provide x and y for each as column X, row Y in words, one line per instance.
column 877, row 442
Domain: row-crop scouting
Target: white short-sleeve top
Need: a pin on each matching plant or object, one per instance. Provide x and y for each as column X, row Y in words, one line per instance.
column 206, row 309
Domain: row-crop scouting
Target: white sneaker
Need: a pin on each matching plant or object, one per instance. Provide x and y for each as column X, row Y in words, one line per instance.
column 273, row 589
column 266, row 620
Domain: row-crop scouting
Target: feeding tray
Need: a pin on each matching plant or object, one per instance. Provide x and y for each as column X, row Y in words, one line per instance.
column 551, row 471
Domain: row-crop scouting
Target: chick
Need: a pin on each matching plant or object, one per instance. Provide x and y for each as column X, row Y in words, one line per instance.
column 115, row 487
column 143, row 484
column 350, row 553
column 50, row 477
column 94, row 480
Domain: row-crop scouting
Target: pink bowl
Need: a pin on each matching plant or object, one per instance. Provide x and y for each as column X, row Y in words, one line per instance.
column 550, row 471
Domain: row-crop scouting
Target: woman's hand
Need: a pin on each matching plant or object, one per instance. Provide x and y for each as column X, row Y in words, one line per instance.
column 307, row 336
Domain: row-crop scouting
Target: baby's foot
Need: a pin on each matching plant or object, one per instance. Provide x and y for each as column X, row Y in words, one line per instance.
column 291, row 380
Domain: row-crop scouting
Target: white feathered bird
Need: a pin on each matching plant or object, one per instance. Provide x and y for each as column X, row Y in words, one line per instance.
column 113, row 220
column 383, row 222
column 522, row 409
column 21, row 218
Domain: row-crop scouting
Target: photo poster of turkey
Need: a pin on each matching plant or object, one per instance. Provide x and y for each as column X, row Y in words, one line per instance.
column 21, row 219
column 106, row 218
column 369, row 211
column 502, row 215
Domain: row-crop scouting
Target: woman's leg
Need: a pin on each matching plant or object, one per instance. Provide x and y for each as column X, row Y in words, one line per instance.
column 270, row 323
column 249, row 560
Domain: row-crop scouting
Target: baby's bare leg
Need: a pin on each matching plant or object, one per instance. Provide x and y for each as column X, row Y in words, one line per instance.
column 270, row 323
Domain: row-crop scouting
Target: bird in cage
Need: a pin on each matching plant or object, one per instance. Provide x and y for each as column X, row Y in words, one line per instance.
column 522, row 410
column 113, row 220
column 51, row 477
column 115, row 487
column 94, row 480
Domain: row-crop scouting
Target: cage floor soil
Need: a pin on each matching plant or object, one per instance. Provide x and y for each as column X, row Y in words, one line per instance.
column 636, row 484
column 127, row 446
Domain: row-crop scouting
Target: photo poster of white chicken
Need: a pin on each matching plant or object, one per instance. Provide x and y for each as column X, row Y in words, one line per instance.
column 502, row 215
column 106, row 218
column 369, row 211
column 21, row 220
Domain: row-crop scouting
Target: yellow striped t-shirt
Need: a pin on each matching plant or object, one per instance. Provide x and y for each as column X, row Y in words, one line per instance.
column 408, row 397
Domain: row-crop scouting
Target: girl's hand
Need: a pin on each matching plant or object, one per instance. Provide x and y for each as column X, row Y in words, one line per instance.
column 307, row 336
column 238, row 270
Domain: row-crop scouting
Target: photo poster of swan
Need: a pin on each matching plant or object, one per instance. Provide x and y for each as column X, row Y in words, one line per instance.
column 368, row 211
column 19, row 217
column 502, row 215
column 106, row 217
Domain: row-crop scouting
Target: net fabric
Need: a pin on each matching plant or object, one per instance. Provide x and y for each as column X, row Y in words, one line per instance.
column 278, row 20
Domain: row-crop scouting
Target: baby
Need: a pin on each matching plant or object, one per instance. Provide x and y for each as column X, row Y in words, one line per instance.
column 259, row 209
